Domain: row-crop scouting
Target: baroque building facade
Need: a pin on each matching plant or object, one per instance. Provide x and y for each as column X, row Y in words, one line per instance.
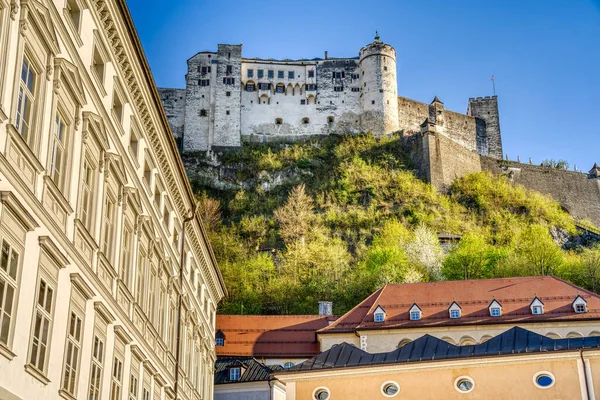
column 229, row 99
column 108, row 284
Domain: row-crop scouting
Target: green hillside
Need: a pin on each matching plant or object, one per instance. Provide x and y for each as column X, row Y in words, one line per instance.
column 336, row 219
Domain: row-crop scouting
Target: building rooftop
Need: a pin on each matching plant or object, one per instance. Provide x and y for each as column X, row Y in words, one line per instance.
column 428, row 348
column 271, row 335
column 474, row 297
column 251, row 370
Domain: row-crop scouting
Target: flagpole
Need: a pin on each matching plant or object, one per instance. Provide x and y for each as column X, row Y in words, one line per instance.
column 494, row 84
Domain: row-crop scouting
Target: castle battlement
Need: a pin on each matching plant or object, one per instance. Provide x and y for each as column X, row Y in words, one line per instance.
column 229, row 99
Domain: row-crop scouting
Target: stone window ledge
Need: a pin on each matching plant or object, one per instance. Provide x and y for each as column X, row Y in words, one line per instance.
column 6, row 352
column 37, row 374
column 66, row 395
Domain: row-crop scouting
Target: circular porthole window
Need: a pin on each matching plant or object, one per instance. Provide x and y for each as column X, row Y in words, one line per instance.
column 464, row 384
column 390, row 388
column 543, row 380
column 321, row 393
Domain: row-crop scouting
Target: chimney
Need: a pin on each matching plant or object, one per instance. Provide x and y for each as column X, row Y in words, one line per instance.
column 326, row 54
column 325, row 308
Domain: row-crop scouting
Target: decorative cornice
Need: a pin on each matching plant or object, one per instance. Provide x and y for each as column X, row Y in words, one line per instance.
column 50, row 248
column 82, row 286
column 10, row 201
column 122, row 334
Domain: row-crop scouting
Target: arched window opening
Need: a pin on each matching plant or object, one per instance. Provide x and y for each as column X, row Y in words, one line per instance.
column 278, row 121
column 305, row 120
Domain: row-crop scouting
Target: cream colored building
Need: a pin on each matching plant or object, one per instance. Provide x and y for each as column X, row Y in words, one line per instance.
column 101, row 250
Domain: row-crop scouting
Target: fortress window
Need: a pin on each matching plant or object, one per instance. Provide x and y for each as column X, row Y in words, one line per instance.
column 356, row 89
column 338, row 88
column 311, row 87
column 228, row 94
column 290, row 74
column 213, row 61
column 264, row 86
column 372, row 101
column 229, row 81
column 250, row 87
column 302, row 102
column 330, row 120
column 229, row 69
column 227, row 112
column 204, row 82
column 280, row 74
column 355, row 76
column 280, row 88
column 305, row 121
column 250, row 73
column 385, row 68
column 270, row 74
column 260, row 73
column 278, row 121
column 203, row 113
column 204, row 70
column 311, row 73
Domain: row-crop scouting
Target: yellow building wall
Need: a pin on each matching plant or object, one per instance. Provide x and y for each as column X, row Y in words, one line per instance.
column 500, row 381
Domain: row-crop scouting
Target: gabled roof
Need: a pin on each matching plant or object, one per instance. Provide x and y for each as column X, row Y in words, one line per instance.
column 379, row 310
column 495, row 303
column 536, row 300
column 454, row 303
column 415, row 306
column 474, row 297
column 251, row 370
column 579, row 299
column 271, row 335
column 429, row 348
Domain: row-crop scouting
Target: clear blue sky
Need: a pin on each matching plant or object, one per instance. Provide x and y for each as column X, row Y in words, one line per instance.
column 545, row 54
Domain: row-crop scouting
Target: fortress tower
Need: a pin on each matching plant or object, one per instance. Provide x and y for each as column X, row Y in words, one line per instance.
column 379, row 89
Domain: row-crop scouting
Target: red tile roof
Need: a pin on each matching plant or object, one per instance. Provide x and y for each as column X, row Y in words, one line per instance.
column 474, row 297
column 271, row 335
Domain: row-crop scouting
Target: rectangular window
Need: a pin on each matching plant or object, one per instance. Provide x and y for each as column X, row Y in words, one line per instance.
column 280, row 74
column 126, row 254
column 71, row 367
column 260, row 73
column 379, row 317
column 263, row 86
column 303, row 102
column 234, row 374
column 134, row 144
column 204, row 82
column 87, row 184
column 140, row 283
column 495, row 312
column 455, row 314
column 219, row 342
column 9, row 264
column 205, row 70
column 145, row 394
column 133, row 387
column 172, row 326
column 290, row 74
column 157, row 196
column 338, row 88
column 415, row 315
column 203, row 113
column 42, row 326
column 117, row 380
column 537, row 310
column 311, row 73
column 250, row 73
column 117, row 107
column 24, row 118
column 96, row 370
column 580, row 308
column 337, row 75
column 229, row 81
column 311, row 87
column 162, row 299
column 250, row 87
column 74, row 13
column 270, row 74
column 147, row 174
column 151, row 311
column 98, row 65
column 58, row 152
column 228, row 94
column 109, row 227
column 355, row 76
column 355, row 89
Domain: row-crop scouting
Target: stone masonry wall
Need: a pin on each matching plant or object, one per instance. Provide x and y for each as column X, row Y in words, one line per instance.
column 173, row 101
column 576, row 192
column 486, row 110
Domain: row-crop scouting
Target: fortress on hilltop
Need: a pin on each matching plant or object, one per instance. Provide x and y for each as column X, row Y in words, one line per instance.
column 230, row 99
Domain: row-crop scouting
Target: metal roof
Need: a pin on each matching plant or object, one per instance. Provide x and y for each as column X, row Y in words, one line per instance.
column 428, row 348
column 251, row 370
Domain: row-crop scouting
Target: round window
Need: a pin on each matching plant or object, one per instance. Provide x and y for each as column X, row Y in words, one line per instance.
column 390, row 389
column 321, row 394
column 464, row 384
column 543, row 380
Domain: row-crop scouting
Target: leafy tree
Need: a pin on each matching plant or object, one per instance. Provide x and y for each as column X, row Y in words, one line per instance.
column 538, row 251
column 472, row 258
column 295, row 216
column 424, row 250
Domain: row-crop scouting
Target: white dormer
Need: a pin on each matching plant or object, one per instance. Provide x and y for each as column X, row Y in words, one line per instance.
column 379, row 314
column 495, row 309
column 415, row 312
column 579, row 305
column 454, row 310
column 536, row 306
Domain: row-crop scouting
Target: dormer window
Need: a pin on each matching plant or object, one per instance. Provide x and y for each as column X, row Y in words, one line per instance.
column 219, row 338
column 536, row 306
column 415, row 312
column 580, row 305
column 220, row 342
column 454, row 310
column 495, row 309
column 379, row 314
column 234, row 373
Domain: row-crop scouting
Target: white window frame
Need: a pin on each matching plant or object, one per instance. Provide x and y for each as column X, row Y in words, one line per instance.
column 415, row 315
column 59, row 148
column 73, row 349
column 454, row 314
column 43, row 314
column 24, row 90
column 495, row 312
column 13, row 282
column 109, row 222
column 97, row 368
column 235, row 374
column 86, row 193
column 116, row 380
